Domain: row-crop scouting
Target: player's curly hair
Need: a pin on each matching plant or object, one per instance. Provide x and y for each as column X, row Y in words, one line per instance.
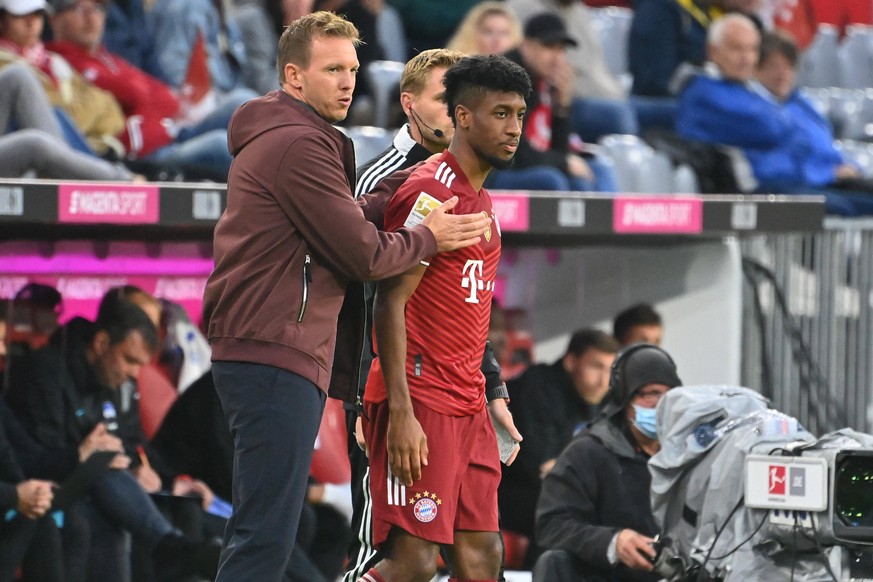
column 467, row 80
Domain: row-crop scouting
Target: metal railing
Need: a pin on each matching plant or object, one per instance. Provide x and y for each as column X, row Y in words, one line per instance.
column 808, row 323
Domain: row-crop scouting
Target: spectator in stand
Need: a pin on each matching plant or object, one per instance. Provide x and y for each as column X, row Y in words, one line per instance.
column 94, row 113
column 177, row 25
column 788, row 144
column 823, row 163
column 37, row 143
column 430, row 23
column 668, row 33
column 842, row 13
column 156, row 128
column 600, row 104
column 551, row 403
column 490, row 28
column 127, row 35
column 545, row 160
column 593, row 515
column 259, row 36
column 638, row 323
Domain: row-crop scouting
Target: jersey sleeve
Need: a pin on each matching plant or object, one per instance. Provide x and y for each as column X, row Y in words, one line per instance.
column 413, row 201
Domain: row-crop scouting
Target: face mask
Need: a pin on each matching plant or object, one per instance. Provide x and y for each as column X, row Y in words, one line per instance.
column 645, row 420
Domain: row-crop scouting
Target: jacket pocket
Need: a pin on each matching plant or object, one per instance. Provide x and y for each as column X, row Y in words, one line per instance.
column 307, row 279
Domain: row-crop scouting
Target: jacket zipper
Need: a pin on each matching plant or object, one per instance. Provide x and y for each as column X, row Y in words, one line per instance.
column 359, row 392
column 307, row 279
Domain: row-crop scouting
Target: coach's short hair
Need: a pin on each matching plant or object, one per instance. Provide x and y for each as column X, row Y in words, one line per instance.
column 295, row 44
column 468, row 80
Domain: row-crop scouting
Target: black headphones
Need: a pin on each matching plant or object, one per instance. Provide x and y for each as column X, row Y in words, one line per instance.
column 616, row 373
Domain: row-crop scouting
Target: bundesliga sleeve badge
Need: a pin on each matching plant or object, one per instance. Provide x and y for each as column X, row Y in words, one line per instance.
column 423, row 206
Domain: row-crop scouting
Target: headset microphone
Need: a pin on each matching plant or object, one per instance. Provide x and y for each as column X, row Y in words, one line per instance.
column 418, row 119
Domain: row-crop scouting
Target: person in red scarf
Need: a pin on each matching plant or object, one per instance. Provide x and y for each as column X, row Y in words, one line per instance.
column 95, row 113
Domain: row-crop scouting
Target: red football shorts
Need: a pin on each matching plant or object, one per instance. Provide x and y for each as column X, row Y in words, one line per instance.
column 458, row 486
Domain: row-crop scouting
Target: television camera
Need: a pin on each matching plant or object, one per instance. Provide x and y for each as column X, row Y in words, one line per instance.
column 744, row 492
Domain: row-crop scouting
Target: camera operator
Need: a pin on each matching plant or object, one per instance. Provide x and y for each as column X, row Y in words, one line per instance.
column 594, row 515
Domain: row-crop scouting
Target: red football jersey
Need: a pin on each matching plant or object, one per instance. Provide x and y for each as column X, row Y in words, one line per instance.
column 447, row 317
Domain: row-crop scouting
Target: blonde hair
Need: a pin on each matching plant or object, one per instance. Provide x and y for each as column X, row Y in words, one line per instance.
column 295, row 44
column 464, row 39
column 416, row 72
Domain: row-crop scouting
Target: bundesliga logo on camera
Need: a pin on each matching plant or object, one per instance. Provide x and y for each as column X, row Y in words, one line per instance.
column 784, row 480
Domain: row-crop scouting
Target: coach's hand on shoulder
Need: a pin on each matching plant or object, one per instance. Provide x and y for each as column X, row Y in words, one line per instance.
column 407, row 446
column 453, row 232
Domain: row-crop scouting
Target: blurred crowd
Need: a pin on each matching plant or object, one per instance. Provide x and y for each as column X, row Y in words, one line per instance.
column 144, row 89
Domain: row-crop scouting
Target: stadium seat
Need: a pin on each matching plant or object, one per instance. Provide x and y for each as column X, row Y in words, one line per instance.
column 856, row 58
column 389, row 29
column 685, row 180
column 629, row 154
column 638, row 167
column 859, row 152
column 613, row 27
column 384, row 79
column 820, row 97
column 819, row 65
column 846, row 108
column 515, row 546
column 369, row 141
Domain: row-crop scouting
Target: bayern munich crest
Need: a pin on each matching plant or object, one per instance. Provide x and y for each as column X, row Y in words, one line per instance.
column 425, row 510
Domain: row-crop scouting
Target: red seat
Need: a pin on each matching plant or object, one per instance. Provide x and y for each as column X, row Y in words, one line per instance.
column 515, row 547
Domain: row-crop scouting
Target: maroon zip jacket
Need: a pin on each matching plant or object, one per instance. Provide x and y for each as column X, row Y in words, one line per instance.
column 290, row 240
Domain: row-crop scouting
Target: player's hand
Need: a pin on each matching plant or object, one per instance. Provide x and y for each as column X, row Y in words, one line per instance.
column 453, row 232
column 632, row 549
column 500, row 415
column 34, row 498
column 407, row 446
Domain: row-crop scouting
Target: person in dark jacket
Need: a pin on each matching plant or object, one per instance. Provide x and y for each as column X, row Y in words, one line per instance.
column 288, row 243
column 594, row 516
column 28, row 532
column 552, row 403
column 63, row 392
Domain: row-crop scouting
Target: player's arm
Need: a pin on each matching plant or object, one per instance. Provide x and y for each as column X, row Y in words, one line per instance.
column 407, row 443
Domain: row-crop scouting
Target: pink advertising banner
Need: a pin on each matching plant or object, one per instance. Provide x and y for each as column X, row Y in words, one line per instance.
column 512, row 210
column 178, row 274
column 108, row 203
column 657, row 215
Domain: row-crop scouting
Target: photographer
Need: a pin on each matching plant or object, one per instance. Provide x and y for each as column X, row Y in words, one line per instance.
column 594, row 515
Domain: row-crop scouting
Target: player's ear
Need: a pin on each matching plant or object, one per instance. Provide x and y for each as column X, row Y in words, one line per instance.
column 463, row 116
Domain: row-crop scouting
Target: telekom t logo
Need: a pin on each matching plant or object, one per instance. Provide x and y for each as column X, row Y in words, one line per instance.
column 777, row 480
column 472, row 280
